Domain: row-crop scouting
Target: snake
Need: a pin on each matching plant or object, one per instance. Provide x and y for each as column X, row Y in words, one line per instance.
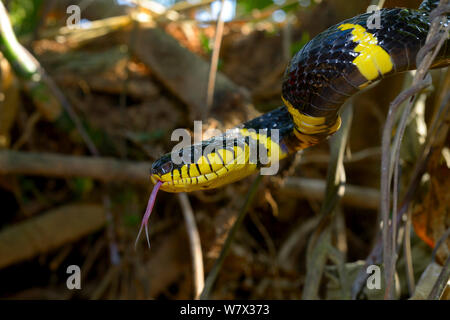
column 329, row 69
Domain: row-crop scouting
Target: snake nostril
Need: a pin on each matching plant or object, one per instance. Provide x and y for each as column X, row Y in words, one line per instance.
column 154, row 168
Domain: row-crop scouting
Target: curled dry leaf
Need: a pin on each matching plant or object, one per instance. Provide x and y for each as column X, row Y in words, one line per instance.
column 431, row 216
column 427, row 281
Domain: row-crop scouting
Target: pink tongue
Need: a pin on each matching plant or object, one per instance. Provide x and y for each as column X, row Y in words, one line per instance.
column 148, row 211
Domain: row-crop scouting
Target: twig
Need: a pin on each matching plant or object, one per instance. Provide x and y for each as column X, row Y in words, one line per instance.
column 408, row 255
column 53, row 165
column 214, row 60
column 412, row 137
column 29, row 128
column 195, row 244
column 341, row 236
column 97, row 28
column 158, row 11
column 441, row 282
column 212, row 276
column 373, row 152
column 320, row 247
column 188, row 5
column 441, row 240
column 356, row 196
column 114, row 255
column 375, row 256
column 295, row 242
column 396, row 158
column 389, row 162
column 394, row 162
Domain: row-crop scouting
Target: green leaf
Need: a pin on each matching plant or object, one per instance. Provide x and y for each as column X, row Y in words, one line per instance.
column 249, row 5
column 24, row 15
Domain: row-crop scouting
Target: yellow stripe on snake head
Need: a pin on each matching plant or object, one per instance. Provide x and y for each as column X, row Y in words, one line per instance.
column 215, row 161
column 372, row 60
column 201, row 179
column 193, row 172
column 175, row 174
column 187, row 180
column 203, row 164
column 184, row 171
column 166, row 177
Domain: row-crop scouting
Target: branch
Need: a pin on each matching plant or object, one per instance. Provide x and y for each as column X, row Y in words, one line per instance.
column 356, row 196
column 194, row 244
column 48, row 231
column 61, row 166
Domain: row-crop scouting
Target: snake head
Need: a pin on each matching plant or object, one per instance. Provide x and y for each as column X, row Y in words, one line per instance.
column 205, row 165
column 162, row 170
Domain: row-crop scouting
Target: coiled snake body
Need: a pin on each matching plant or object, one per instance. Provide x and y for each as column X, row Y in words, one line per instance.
column 329, row 69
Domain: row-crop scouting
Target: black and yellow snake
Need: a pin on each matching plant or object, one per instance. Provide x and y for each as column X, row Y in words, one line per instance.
column 328, row 70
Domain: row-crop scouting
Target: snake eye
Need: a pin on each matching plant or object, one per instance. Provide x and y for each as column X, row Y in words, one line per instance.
column 166, row 167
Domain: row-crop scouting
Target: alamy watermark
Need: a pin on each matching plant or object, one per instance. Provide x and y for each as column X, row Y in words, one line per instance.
column 74, row 280
column 374, row 20
column 73, row 21
column 374, row 280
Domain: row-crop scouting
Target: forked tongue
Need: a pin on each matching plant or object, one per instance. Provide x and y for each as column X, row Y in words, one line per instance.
column 148, row 211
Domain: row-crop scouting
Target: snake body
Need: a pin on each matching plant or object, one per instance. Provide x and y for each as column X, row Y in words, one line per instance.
column 327, row 71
